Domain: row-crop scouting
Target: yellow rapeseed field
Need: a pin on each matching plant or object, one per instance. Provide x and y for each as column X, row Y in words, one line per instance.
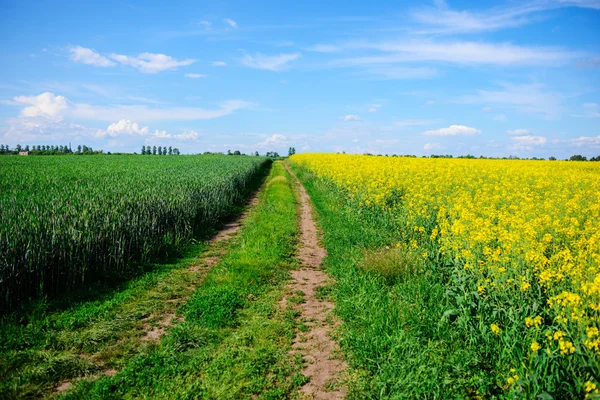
column 521, row 240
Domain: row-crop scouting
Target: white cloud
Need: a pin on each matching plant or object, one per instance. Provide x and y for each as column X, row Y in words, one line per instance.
column 272, row 63
column 273, row 141
column 453, row 130
column 151, row 63
column 218, row 64
column 128, row 128
column 51, row 106
column 350, row 117
column 430, row 102
column 43, row 130
column 125, row 126
column 89, row 56
column 44, row 105
column 585, row 141
column 186, row 135
column 527, row 142
column 231, row 23
column 206, row 24
column 519, row 132
column 372, row 109
column 499, row 117
column 487, row 109
column 195, row 76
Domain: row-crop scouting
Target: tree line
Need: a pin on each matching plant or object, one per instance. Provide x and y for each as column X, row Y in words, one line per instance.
column 576, row 157
column 161, row 151
column 48, row 150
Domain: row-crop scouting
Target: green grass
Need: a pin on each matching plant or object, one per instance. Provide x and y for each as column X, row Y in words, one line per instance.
column 235, row 339
column 395, row 334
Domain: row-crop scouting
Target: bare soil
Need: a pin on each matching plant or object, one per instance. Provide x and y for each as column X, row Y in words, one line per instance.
column 316, row 346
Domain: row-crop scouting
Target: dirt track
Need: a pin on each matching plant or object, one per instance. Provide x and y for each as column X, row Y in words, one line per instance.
column 316, row 346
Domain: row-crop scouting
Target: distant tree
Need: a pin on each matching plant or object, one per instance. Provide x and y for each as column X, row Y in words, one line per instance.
column 159, row 150
column 170, row 150
column 228, row 152
column 552, row 158
column 18, row 148
column 27, row 148
column 256, row 153
column 236, row 153
column 154, row 150
column 143, row 149
column 176, row 151
column 291, row 151
column 577, row 157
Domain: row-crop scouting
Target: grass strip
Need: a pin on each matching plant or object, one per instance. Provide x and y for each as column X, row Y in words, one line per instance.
column 235, row 338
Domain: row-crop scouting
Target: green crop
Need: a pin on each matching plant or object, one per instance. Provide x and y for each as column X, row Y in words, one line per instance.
column 67, row 220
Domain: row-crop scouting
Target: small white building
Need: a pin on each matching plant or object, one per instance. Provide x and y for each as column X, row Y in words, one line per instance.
column 23, row 153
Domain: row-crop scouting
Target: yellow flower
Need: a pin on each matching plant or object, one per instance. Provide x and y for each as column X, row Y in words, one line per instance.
column 495, row 328
column 535, row 346
column 589, row 386
column 566, row 347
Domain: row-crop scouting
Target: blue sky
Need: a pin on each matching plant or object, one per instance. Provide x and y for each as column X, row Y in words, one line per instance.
column 447, row 77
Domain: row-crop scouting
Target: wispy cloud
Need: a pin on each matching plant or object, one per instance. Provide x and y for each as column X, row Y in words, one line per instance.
column 528, row 98
column 519, row 132
column 151, row 63
column 443, row 20
column 218, row 64
column 195, row 76
column 527, row 142
column 271, row 141
column 457, row 52
column 390, row 72
column 590, row 110
column 88, row 56
column 412, row 122
column 453, row 130
column 585, row 141
column 272, row 63
column 231, row 23
column 432, row 146
column 49, row 105
column 349, row 117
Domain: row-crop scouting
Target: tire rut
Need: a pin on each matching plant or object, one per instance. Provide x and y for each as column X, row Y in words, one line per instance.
column 316, row 346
